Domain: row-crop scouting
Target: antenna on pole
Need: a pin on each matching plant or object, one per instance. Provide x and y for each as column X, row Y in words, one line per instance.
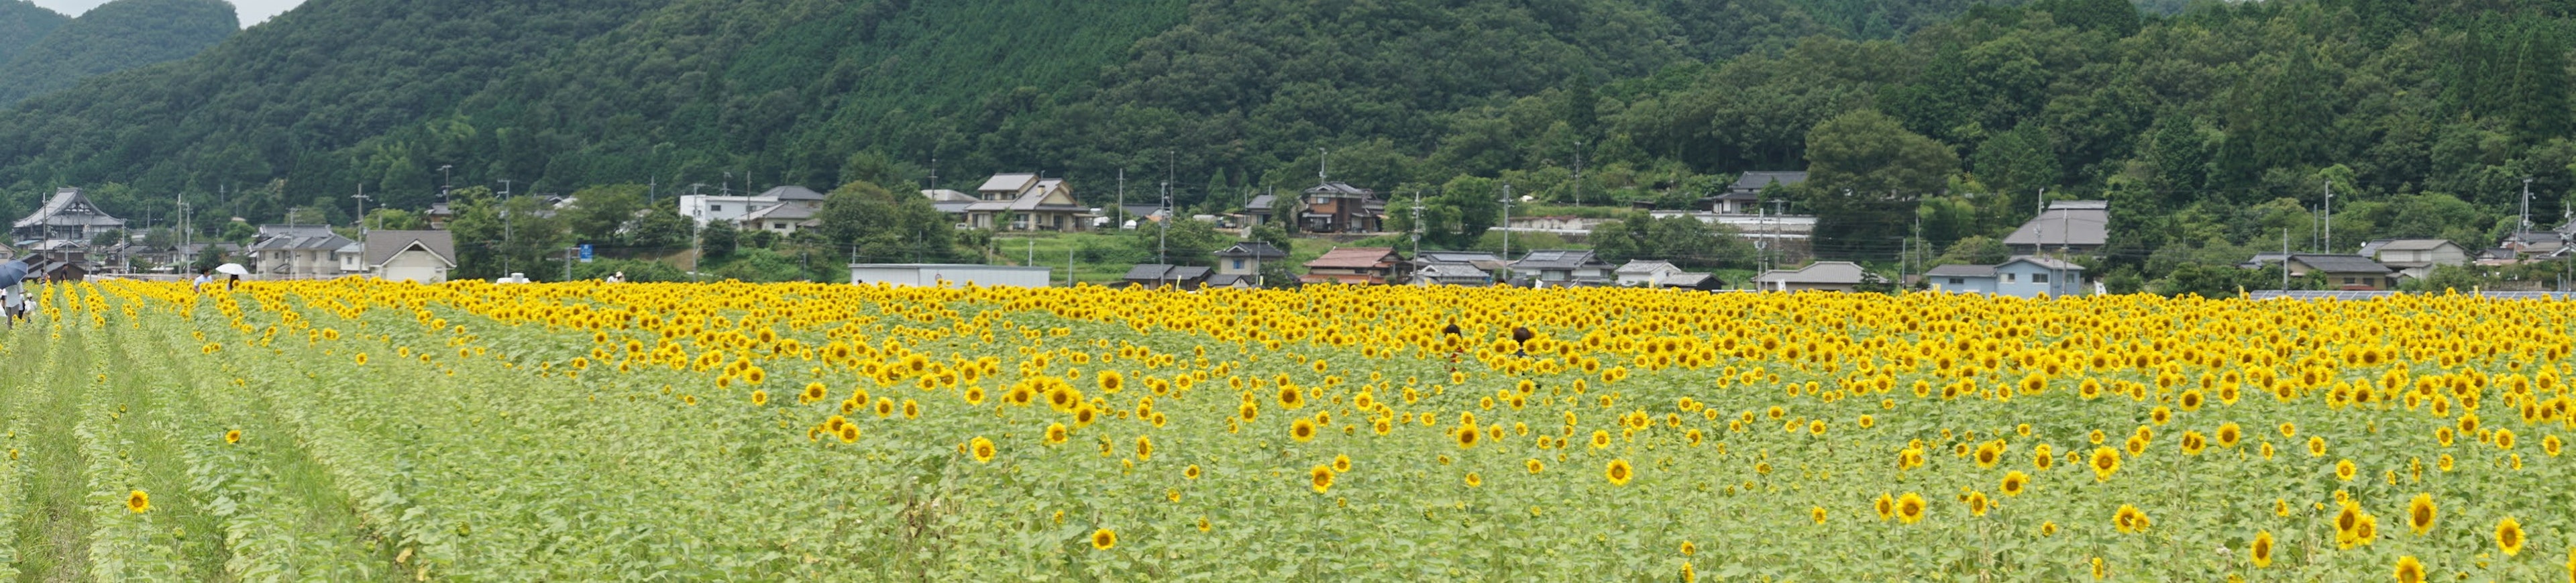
column 1323, row 166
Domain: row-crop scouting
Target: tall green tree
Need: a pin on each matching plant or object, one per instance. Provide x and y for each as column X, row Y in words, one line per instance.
column 1865, row 174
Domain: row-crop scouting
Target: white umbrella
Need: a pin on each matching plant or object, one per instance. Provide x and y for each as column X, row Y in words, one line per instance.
column 232, row 268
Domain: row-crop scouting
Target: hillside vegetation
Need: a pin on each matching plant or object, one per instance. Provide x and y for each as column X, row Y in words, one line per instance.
column 21, row 23
column 115, row 36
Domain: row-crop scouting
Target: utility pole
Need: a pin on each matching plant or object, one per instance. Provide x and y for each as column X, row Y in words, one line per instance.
column 2039, row 208
column 1122, row 199
column 1163, row 234
column 505, row 227
column 362, row 208
column 1417, row 225
column 2329, row 240
column 2285, row 261
column 1068, row 266
column 2526, row 204
column 1323, row 166
column 1507, row 221
column 183, row 224
column 444, row 183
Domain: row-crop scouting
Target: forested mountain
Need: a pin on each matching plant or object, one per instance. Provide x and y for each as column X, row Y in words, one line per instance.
column 2211, row 129
column 115, row 36
column 21, row 23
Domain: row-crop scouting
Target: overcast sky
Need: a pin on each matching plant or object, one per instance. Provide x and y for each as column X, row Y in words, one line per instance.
column 252, row 11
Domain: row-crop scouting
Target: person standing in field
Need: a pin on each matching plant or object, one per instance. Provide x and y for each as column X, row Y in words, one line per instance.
column 13, row 304
column 204, row 276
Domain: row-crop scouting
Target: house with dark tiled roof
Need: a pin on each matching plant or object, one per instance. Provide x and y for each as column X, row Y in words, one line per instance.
column 2071, row 226
column 1357, row 266
column 1335, row 207
column 1158, row 275
column 1563, row 267
column 2349, row 272
column 1246, row 258
column 284, row 252
column 1744, row 197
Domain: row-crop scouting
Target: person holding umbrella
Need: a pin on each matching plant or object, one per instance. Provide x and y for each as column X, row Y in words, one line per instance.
column 232, row 274
column 13, row 295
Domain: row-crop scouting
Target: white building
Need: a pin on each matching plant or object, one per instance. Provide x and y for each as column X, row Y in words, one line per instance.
column 705, row 208
column 949, row 275
column 417, row 256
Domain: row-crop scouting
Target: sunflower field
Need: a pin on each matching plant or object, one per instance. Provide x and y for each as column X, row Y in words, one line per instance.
column 359, row 431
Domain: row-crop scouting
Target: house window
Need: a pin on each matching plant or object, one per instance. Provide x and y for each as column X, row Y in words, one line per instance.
column 715, row 208
column 2039, row 278
column 2347, row 281
column 1958, row 281
column 1238, row 264
column 2012, row 278
column 779, row 226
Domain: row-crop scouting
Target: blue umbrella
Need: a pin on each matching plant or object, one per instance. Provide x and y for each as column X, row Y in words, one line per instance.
column 13, row 272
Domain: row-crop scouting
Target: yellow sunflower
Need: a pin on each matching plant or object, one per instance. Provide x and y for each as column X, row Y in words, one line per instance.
column 2420, row 513
column 2260, row 552
column 1618, row 472
column 1320, row 478
column 1104, row 539
column 138, row 501
column 1910, row 508
column 2105, row 461
column 983, row 449
column 2410, row 570
column 2508, row 536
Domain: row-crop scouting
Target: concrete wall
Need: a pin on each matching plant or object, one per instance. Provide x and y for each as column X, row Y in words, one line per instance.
column 954, row 275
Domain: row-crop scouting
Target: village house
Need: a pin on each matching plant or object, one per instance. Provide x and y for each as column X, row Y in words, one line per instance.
column 1839, row 276
column 793, row 210
column 1158, row 275
column 951, row 203
column 2345, row 272
column 1562, row 267
column 1357, row 266
column 1335, row 207
column 1744, row 197
column 1646, row 272
column 1026, row 202
column 2022, row 276
column 1473, row 268
column 415, row 256
column 2415, row 258
column 707, row 208
column 285, row 252
column 1240, row 265
column 58, row 235
column 2068, row 226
